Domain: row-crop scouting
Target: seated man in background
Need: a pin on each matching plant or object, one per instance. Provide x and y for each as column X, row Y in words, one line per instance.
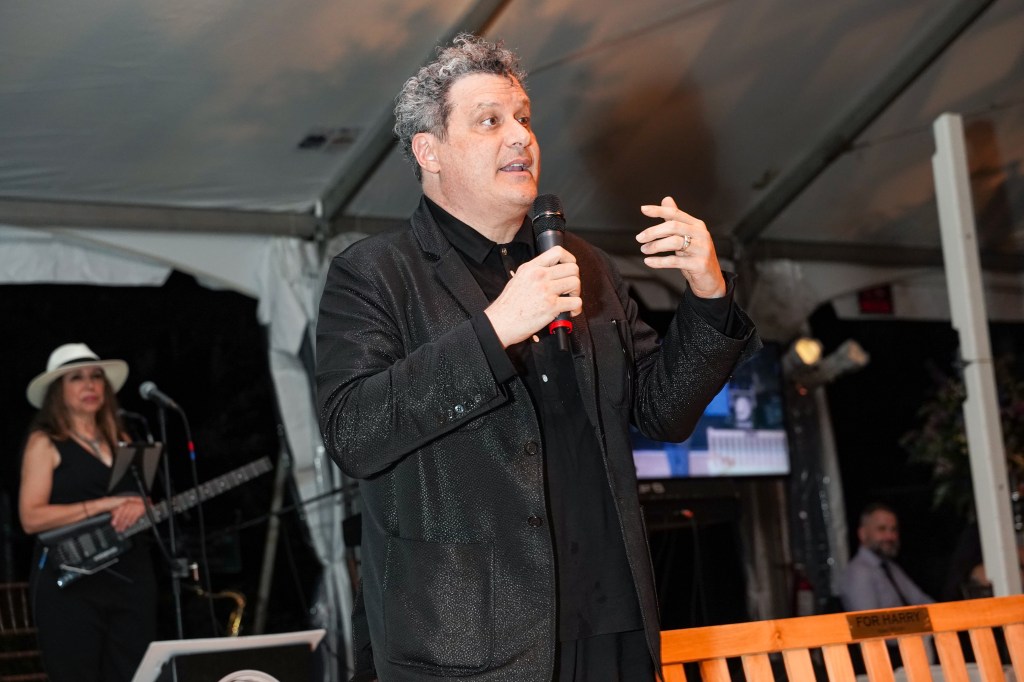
column 873, row 580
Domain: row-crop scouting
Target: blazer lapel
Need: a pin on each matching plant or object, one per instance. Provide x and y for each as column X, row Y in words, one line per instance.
column 450, row 269
column 460, row 283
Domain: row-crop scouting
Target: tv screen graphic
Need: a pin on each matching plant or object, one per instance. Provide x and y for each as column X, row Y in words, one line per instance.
column 741, row 433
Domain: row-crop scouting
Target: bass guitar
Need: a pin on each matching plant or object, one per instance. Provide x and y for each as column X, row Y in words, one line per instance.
column 90, row 545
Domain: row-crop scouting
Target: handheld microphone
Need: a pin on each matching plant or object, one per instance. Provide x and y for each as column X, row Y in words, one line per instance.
column 149, row 391
column 549, row 232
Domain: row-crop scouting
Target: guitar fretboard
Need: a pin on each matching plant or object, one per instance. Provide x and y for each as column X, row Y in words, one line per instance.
column 190, row 498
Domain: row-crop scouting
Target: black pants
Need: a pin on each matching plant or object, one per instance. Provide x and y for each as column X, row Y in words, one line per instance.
column 618, row 657
column 96, row 629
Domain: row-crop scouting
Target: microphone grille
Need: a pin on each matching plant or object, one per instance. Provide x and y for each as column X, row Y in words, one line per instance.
column 547, row 214
column 146, row 388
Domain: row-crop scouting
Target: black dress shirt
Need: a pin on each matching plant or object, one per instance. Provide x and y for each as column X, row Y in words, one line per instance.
column 595, row 588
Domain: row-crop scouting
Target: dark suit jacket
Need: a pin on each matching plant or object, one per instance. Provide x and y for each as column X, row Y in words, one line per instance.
column 458, row 567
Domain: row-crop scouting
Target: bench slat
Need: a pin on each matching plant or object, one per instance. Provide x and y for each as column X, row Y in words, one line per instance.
column 877, row 661
column 758, row 668
column 838, row 663
column 986, row 653
column 714, row 670
column 915, row 659
column 951, row 656
column 798, row 664
column 1015, row 643
column 673, row 673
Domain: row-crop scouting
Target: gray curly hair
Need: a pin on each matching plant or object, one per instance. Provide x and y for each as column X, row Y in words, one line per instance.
column 423, row 107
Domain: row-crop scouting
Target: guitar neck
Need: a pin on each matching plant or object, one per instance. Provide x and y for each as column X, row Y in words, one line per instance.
column 194, row 496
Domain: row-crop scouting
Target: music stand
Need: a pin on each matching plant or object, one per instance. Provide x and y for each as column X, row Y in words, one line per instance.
column 215, row 658
column 145, row 456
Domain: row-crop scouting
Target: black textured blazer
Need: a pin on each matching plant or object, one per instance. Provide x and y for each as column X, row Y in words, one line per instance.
column 458, row 575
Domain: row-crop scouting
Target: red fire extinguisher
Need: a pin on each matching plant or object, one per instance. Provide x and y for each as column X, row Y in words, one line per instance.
column 803, row 592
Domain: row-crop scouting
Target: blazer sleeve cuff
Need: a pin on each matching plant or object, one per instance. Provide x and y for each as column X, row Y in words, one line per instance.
column 720, row 313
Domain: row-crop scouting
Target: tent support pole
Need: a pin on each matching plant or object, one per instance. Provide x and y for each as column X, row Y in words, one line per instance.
column 281, row 475
column 967, row 310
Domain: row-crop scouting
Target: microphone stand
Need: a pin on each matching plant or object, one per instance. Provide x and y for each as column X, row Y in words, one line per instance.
column 150, row 512
column 178, row 566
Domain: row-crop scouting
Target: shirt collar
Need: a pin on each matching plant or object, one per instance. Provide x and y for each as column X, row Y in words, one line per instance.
column 468, row 241
column 875, row 558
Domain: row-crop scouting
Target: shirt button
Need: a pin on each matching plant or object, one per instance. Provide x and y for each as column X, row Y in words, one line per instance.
column 535, row 521
column 531, row 447
column 504, row 251
column 544, row 378
column 536, row 339
column 459, row 409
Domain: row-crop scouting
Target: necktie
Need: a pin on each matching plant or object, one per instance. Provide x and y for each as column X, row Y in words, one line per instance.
column 888, row 574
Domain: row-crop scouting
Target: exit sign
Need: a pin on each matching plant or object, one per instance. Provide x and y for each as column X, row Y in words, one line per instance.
column 875, row 301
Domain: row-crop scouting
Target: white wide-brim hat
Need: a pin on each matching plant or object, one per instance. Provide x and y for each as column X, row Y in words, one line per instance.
column 68, row 358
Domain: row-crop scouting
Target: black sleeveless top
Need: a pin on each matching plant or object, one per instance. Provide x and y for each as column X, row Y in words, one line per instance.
column 82, row 476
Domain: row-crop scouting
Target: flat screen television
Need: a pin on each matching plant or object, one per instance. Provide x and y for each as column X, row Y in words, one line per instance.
column 741, row 433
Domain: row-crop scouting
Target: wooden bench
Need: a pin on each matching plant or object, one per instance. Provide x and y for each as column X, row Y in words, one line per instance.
column 826, row 639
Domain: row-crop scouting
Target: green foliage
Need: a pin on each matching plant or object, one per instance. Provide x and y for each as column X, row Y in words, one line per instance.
column 941, row 441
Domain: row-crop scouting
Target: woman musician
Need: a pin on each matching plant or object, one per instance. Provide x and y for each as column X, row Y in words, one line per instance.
column 98, row 627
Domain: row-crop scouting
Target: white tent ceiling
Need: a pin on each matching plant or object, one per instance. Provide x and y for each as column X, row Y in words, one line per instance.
column 796, row 128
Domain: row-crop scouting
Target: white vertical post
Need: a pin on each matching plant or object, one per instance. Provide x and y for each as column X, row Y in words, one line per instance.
column 967, row 308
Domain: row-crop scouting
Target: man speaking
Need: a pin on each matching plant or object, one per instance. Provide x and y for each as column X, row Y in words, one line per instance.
column 502, row 534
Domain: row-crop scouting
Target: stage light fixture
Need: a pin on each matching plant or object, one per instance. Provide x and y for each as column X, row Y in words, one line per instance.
column 803, row 354
column 849, row 357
